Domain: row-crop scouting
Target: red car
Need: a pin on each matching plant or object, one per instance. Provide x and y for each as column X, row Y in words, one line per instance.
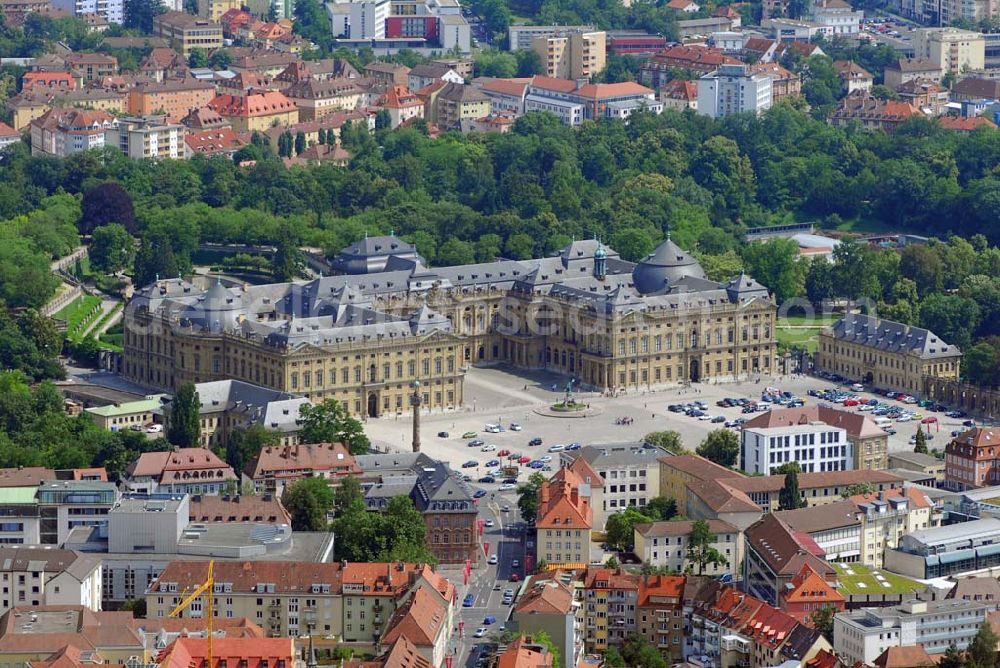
column 503, row 453
column 524, row 460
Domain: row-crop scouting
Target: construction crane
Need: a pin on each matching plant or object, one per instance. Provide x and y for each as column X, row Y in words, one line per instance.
column 208, row 588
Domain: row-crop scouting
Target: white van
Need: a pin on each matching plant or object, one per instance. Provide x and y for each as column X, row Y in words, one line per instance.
column 882, row 422
column 492, row 429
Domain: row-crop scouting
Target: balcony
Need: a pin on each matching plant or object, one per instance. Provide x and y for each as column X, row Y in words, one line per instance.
column 735, row 644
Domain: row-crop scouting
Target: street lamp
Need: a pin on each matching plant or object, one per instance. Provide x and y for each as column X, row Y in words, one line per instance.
column 415, row 402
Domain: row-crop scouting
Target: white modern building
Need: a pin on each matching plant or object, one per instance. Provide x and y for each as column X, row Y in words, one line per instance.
column 45, row 514
column 521, row 36
column 112, row 10
column 862, row 635
column 359, row 20
column 838, row 17
column 817, row 447
column 733, row 89
column 36, row 576
column 149, row 137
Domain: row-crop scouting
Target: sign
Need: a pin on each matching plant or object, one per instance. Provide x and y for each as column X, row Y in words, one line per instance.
column 486, row 549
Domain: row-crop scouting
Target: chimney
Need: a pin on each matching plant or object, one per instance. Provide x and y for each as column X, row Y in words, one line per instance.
column 574, row 495
column 544, row 495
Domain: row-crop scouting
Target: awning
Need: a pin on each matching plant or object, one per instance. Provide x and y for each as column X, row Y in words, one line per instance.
column 958, row 555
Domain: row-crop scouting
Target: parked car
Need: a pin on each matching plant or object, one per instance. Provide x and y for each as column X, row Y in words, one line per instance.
column 718, row 419
column 486, row 479
column 524, row 460
column 535, row 441
column 471, row 464
column 480, row 493
column 557, row 448
column 503, row 453
column 154, row 429
column 515, row 426
column 506, row 487
column 489, row 619
column 470, row 434
column 443, row 434
column 468, row 601
column 477, row 443
column 492, row 561
column 493, row 462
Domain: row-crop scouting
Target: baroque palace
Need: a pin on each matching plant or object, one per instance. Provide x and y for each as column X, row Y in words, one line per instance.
column 386, row 319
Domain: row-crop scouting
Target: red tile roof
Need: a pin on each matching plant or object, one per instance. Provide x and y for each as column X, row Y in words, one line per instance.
column 561, row 505
column 249, row 652
column 603, row 91
column 521, row 654
column 420, row 620
column 215, row 141
column 552, row 84
column 254, row 104
column 210, row 509
column 546, row 597
column 293, row 461
column 655, row 588
column 965, row 123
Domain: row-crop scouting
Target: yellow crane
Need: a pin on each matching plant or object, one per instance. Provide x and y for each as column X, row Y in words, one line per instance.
column 207, row 587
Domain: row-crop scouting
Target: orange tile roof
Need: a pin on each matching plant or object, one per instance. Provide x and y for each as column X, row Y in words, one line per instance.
column 420, row 620
column 965, row 123
column 512, row 87
column 287, row 577
column 550, row 83
column 399, row 97
column 520, row 654
column 210, row 509
column 906, row 656
column 561, row 505
column 770, row 627
column 601, row 91
column 254, row 104
column 210, row 142
column 294, row 460
column 250, row 652
column 377, row 579
column 7, row 131
column 608, row 578
column 546, row 597
column 657, row 587
column 916, row 498
column 403, row 654
column 809, row 586
column 586, row 473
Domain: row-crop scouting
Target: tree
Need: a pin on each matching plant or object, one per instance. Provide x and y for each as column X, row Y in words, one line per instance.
column 620, row 528
column 287, row 258
column 982, row 651
column 700, row 547
column 197, row 59
column 527, row 497
column 789, row 497
column 612, row 658
column 542, row 638
column 383, row 120
column 529, row 63
column 112, row 248
column 286, row 144
column 300, row 142
column 612, row 563
column 184, row 417
column 632, row 243
column 668, row 440
column 857, row 489
column 244, row 443
column 775, row 263
column 822, row 619
column 220, row 59
column 661, row 508
column 640, row 653
column 155, row 258
column 308, row 501
column 722, row 447
column 139, row 14
column 952, row 658
column 920, row 443
column 107, row 203
column 329, row 422
column 951, row 317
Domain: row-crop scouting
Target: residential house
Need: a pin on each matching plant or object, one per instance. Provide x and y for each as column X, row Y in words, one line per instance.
column 869, row 349
column 204, row 118
column 629, row 474
column 245, row 652
column 611, row 607
column 759, row 49
column 423, row 621
column 718, row 500
column 775, row 554
column 8, row 136
column 187, row 32
column 45, row 80
column 548, row 604
column 62, row 132
column 215, row 141
column 863, row 635
column 807, row 593
column 952, row 50
column 971, row 459
column 255, row 110
column 974, row 88
column 565, row 520
column 522, row 653
column 232, row 20
column 164, row 63
column 910, row 69
column 677, row 471
column 783, row 82
column 92, row 66
column 385, row 75
column 262, row 62
column 316, row 99
column 275, row 467
column 853, row 77
column 401, row 104
column 505, row 94
column 571, row 53
column 660, row 612
column 656, row 71
column 930, row 97
column 965, row 124
column 915, row 461
column 665, row 544
column 45, row 576
column 686, row 6
column 427, row 73
column 455, row 104
column 33, row 633
column 180, row 471
column 679, row 95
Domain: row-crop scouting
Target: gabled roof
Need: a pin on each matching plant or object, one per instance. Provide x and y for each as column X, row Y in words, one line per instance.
column 680, row 89
column 721, row 497
column 653, row 589
column 965, row 123
column 808, row 586
column 546, row 597
column 402, row 654
column 681, row 528
column 521, row 654
column 905, row 656
column 698, row 467
column 779, row 547
column 420, row 620
column 602, row 91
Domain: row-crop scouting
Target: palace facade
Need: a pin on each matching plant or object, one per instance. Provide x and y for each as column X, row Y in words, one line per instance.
column 363, row 336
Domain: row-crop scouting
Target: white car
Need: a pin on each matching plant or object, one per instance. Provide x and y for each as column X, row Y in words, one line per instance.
column 506, row 487
column 480, row 632
column 557, row 448
column 904, row 418
column 489, row 523
column 545, row 458
column 515, row 426
column 492, row 561
column 705, row 417
column 488, row 448
column 154, row 429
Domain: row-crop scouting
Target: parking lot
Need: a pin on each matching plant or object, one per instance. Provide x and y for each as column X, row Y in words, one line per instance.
column 500, row 396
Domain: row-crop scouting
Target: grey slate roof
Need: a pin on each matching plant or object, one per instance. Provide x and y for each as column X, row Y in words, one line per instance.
column 891, row 337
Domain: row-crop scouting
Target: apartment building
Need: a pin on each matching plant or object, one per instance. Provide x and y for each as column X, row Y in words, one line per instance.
column 677, row 471
column 774, row 556
column 91, row 66
column 816, row 447
column 565, row 520
column 47, row 576
column 276, row 467
column 951, row 50
column 972, row 459
column 665, row 544
column 910, row 69
column 352, row 602
column 520, row 37
column 611, row 599
column 316, row 99
column 422, row 620
column 456, row 105
column 571, row 54
column 658, row 69
column 180, row 471
column 187, row 32
column 63, row 132
column 402, row 105
column 148, row 138
column 808, row 592
column 255, row 110
column 173, row 97
column 112, row 11
column 660, row 614
column 550, row 603
column 863, row 635
column 733, row 89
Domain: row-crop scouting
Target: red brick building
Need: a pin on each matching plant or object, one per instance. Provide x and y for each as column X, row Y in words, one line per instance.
column 972, row 459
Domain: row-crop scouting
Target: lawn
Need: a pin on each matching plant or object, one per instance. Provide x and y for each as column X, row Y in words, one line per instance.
column 863, row 581
column 817, row 320
column 802, row 331
column 78, row 314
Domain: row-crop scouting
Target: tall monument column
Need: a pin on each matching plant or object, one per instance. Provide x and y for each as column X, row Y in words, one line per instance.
column 415, row 402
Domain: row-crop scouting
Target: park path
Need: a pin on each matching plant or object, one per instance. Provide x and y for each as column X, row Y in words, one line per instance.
column 107, row 304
